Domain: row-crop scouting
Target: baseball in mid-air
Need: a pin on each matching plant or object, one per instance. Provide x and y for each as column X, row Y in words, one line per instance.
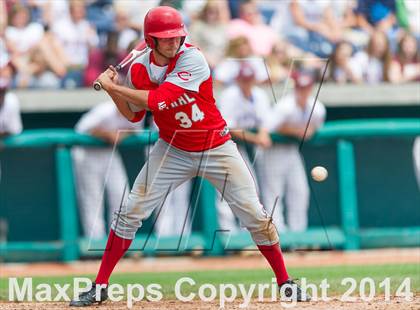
column 319, row 173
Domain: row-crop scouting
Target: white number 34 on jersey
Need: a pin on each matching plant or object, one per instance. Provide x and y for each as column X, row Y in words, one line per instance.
column 196, row 116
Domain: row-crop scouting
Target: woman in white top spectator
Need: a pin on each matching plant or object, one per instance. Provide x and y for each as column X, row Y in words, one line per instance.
column 340, row 70
column 373, row 65
column 21, row 37
column 209, row 32
column 239, row 51
column 126, row 34
column 21, row 34
column 406, row 65
column 77, row 37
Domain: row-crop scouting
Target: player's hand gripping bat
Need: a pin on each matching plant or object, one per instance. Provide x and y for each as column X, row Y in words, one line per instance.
column 139, row 50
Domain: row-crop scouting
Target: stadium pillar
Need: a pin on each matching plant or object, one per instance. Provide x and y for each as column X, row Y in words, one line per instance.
column 67, row 204
column 348, row 194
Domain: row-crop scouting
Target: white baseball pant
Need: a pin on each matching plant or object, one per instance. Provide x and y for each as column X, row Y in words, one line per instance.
column 169, row 167
column 225, row 215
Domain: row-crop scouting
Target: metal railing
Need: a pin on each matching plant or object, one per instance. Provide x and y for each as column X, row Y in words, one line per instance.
column 341, row 133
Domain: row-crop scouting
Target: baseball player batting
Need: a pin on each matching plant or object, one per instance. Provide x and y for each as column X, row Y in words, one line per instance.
column 173, row 81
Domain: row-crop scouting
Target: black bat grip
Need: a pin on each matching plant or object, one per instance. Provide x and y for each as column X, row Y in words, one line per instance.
column 97, row 86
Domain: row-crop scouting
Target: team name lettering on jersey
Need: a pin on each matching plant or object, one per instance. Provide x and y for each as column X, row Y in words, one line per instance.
column 162, row 106
column 182, row 100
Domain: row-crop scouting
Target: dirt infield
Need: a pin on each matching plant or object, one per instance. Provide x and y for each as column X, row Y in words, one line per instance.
column 252, row 260
column 377, row 304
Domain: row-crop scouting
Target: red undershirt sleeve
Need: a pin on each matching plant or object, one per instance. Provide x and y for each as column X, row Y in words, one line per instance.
column 138, row 116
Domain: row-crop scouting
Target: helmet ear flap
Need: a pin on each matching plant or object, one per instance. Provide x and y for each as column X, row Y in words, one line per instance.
column 150, row 41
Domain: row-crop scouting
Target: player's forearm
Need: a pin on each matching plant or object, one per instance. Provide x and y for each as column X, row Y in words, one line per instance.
column 134, row 96
column 244, row 135
column 298, row 131
column 289, row 130
column 101, row 134
column 123, row 107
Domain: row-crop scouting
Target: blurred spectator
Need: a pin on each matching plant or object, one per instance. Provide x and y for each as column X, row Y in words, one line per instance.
column 237, row 52
column 373, row 15
column 309, row 25
column 195, row 9
column 376, row 14
column 43, row 66
column 408, row 15
column 100, row 59
column 250, row 24
column 46, row 11
column 3, row 18
column 52, row 10
column 126, row 34
column 209, row 32
column 234, row 8
column 282, row 58
column 344, row 12
column 406, row 65
column 101, row 14
column 10, row 120
column 245, row 107
column 373, row 65
column 47, row 65
column 136, row 11
column 267, row 9
column 281, row 167
column 278, row 63
column 77, row 37
column 22, row 35
column 339, row 68
column 100, row 170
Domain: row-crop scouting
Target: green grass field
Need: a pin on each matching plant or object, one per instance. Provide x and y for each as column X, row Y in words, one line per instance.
column 334, row 275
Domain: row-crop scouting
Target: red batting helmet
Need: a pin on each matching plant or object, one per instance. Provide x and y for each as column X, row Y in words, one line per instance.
column 163, row 22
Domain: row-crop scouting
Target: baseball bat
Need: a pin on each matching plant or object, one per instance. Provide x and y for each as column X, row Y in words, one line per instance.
column 137, row 51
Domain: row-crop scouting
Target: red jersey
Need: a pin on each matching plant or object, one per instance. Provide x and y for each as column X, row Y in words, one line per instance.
column 181, row 99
